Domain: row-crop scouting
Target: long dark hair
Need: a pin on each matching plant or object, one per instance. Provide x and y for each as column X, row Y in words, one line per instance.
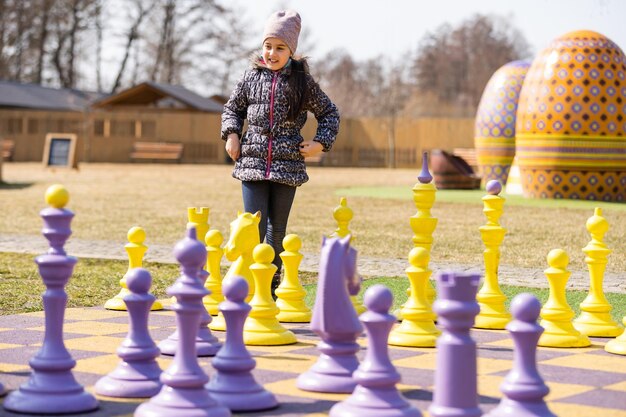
column 297, row 92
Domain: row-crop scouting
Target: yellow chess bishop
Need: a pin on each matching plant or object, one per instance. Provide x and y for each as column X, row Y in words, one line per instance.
column 135, row 250
column 493, row 314
column 262, row 327
column 595, row 318
column 617, row 345
column 290, row 294
column 213, row 241
column 556, row 314
column 418, row 319
column 343, row 214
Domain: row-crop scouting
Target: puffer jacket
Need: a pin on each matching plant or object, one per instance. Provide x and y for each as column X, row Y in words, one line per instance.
column 270, row 146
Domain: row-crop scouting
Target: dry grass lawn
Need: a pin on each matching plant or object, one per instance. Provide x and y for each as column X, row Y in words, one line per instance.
column 108, row 199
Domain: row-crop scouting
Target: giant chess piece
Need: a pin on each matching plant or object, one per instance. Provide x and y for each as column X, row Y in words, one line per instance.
column 523, row 387
column 556, row 314
column 233, row 384
column 338, row 347
column 376, row 394
column 595, row 311
column 617, row 346
column 183, row 393
column 493, row 314
column 135, row 250
column 456, row 379
column 52, row 388
column 137, row 375
column 213, row 241
column 290, row 294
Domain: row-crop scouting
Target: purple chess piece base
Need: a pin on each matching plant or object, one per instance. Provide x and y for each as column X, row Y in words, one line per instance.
column 376, row 394
column 137, row 376
column 233, row 384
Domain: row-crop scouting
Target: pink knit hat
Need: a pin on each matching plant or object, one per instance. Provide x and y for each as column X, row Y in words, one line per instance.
column 284, row 25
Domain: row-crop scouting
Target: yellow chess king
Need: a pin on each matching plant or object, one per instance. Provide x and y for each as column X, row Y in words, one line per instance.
column 213, row 241
column 290, row 294
column 135, row 250
column 262, row 327
column 418, row 319
column 595, row 318
column 343, row 214
column 493, row 314
column 556, row 314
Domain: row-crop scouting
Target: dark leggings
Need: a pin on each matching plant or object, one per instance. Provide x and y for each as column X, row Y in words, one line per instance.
column 274, row 201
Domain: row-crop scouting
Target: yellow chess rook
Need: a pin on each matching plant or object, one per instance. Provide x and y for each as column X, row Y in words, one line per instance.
column 198, row 217
column 262, row 327
column 290, row 294
column 493, row 313
column 595, row 318
column 617, row 345
column 135, row 250
column 213, row 241
column 556, row 314
column 418, row 319
column 342, row 215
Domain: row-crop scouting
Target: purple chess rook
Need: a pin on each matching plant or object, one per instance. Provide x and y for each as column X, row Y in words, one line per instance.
column 376, row 394
column 137, row 375
column 337, row 280
column 233, row 385
column 183, row 393
column 52, row 388
column 455, row 393
column 523, row 387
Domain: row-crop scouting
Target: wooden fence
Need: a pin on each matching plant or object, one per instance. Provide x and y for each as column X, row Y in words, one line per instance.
column 108, row 136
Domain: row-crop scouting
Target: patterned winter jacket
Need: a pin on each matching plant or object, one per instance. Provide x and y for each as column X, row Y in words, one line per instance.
column 270, row 146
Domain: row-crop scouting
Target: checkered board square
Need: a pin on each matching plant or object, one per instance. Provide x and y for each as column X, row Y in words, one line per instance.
column 583, row 382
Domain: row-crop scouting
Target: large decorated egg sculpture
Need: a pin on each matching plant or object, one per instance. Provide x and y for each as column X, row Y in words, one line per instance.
column 494, row 126
column 571, row 120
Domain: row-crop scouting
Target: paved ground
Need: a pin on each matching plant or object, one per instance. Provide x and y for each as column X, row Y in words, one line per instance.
column 36, row 244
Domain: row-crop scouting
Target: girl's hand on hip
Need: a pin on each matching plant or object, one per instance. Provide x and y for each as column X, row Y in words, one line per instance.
column 310, row 148
column 233, row 146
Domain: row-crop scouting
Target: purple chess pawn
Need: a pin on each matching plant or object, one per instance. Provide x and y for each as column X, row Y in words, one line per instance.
column 137, row 375
column 233, row 385
column 493, row 187
column 183, row 393
column 376, row 394
column 523, row 387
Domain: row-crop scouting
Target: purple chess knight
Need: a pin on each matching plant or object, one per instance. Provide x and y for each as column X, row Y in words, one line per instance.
column 335, row 321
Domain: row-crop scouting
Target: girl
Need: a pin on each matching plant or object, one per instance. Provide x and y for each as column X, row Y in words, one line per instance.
column 275, row 96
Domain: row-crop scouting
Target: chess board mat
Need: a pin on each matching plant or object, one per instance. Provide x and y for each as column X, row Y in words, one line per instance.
column 583, row 382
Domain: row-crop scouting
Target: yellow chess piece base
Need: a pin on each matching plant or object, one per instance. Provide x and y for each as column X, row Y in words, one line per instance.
column 266, row 332
column 218, row 323
column 292, row 312
column 617, row 345
column 562, row 335
column 493, row 314
column 117, row 302
column 211, row 305
column 415, row 334
column 597, row 325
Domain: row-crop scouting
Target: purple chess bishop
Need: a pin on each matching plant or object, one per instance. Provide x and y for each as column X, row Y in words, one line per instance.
column 233, row 385
column 137, row 375
column 52, row 388
column 455, row 393
column 523, row 387
column 183, row 393
column 424, row 176
column 376, row 394
column 337, row 280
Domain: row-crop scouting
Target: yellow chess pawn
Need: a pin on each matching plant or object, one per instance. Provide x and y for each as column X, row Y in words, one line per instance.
column 290, row 294
column 595, row 318
column 493, row 314
column 418, row 319
column 556, row 314
column 213, row 241
column 262, row 327
column 135, row 250
column 343, row 214
column 617, row 345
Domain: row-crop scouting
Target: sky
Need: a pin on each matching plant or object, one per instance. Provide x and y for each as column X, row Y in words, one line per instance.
column 372, row 28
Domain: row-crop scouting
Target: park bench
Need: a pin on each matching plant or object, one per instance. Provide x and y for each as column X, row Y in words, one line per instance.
column 468, row 155
column 8, row 146
column 157, row 151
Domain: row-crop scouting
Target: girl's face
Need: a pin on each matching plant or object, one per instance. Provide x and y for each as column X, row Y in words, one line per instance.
column 276, row 53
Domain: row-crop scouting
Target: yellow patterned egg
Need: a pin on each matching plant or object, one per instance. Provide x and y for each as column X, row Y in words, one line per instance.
column 571, row 127
column 494, row 126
